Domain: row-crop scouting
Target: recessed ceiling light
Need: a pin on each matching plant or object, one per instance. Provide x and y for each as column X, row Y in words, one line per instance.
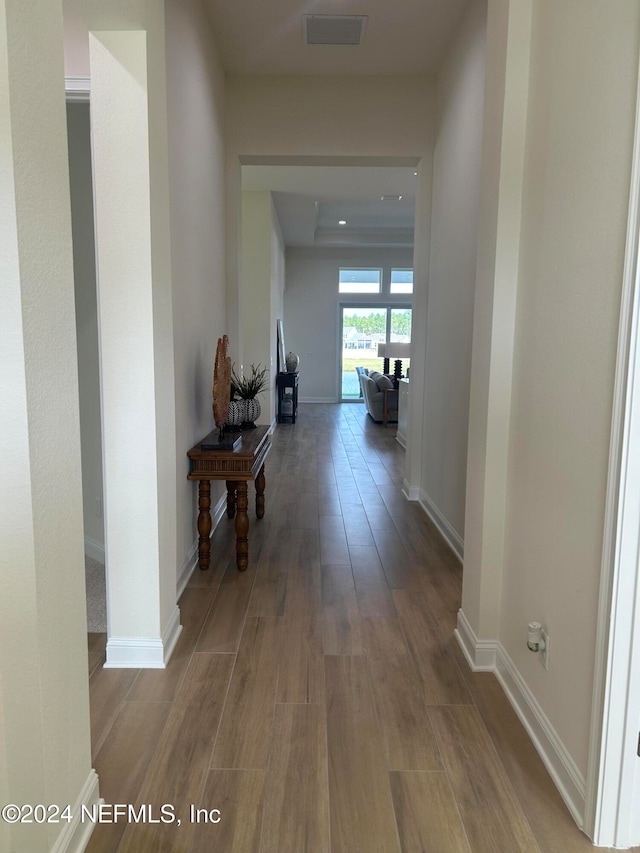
column 415, row 173
column 342, row 221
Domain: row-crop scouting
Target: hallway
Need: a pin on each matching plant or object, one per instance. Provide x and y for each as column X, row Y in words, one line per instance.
column 320, row 700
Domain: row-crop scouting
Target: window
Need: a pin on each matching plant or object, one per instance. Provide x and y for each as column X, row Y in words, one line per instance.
column 360, row 281
column 363, row 329
column 401, row 281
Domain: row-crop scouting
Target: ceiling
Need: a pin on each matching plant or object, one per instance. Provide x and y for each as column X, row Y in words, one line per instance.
column 310, row 201
column 400, row 37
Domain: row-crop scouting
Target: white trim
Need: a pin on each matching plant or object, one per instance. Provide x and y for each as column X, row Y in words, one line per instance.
column 274, row 424
column 411, row 493
column 401, row 441
column 612, row 814
column 187, row 568
column 491, row 656
column 480, row 654
column 94, row 549
column 144, row 652
column 322, row 400
column 77, row 89
column 556, row 757
column 191, row 561
column 451, row 537
column 75, row 835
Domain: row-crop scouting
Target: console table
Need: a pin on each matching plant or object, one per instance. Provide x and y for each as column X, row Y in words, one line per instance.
column 287, row 397
column 236, row 468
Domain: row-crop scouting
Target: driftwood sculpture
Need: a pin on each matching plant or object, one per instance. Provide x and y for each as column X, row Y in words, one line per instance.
column 221, row 383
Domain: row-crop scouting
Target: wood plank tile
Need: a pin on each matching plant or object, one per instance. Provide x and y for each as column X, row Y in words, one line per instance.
column 407, row 735
column 223, row 626
column 296, row 811
column 491, row 814
column 362, row 816
column 554, row 828
column 179, row 768
column 427, row 814
column 238, row 795
column 270, row 587
column 301, row 666
column 122, row 763
column 341, row 626
column 329, row 502
column 107, row 691
column 442, row 680
column 398, row 567
column 372, row 590
column 379, row 518
column 356, row 525
column 333, row 541
column 162, row 685
column 245, row 729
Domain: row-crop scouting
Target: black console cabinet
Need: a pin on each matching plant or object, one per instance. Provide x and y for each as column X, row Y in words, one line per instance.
column 287, row 397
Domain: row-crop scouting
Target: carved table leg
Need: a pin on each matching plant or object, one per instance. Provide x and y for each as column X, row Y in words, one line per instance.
column 231, row 498
column 204, row 524
column 260, row 484
column 242, row 526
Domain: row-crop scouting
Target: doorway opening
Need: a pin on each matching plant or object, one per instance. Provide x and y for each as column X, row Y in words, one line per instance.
column 364, row 330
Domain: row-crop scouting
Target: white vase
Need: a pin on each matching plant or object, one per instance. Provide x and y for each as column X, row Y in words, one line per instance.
column 235, row 416
column 252, row 410
column 291, row 362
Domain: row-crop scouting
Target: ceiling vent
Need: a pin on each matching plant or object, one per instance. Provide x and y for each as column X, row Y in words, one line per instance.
column 334, row 29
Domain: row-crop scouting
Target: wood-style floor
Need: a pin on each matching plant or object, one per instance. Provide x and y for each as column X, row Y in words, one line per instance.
column 319, row 700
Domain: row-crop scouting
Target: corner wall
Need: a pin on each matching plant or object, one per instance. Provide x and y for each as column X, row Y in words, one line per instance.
column 452, row 274
column 559, row 121
column 584, row 71
column 196, row 121
column 44, row 723
column 86, row 302
column 261, row 292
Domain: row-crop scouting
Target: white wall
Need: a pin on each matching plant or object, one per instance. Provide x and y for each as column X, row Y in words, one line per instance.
column 43, row 651
column 312, row 312
column 277, row 286
column 196, row 107
column 452, row 271
column 261, row 291
column 84, row 269
column 325, row 120
column 584, row 69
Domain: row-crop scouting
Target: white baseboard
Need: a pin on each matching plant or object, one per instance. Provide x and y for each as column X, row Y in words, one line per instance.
column 451, row 537
column 77, row 89
column 401, row 441
column 317, row 400
column 76, row 834
column 480, row 654
column 94, row 549
column 188, row 567
column 144, row 652
column 411, row 493
column 556, row 757
column 274, row 424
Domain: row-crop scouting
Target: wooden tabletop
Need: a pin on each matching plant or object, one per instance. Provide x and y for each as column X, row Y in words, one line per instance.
column 239, row 464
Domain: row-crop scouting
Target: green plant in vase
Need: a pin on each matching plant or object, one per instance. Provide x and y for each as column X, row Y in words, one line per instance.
column 245, row 389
